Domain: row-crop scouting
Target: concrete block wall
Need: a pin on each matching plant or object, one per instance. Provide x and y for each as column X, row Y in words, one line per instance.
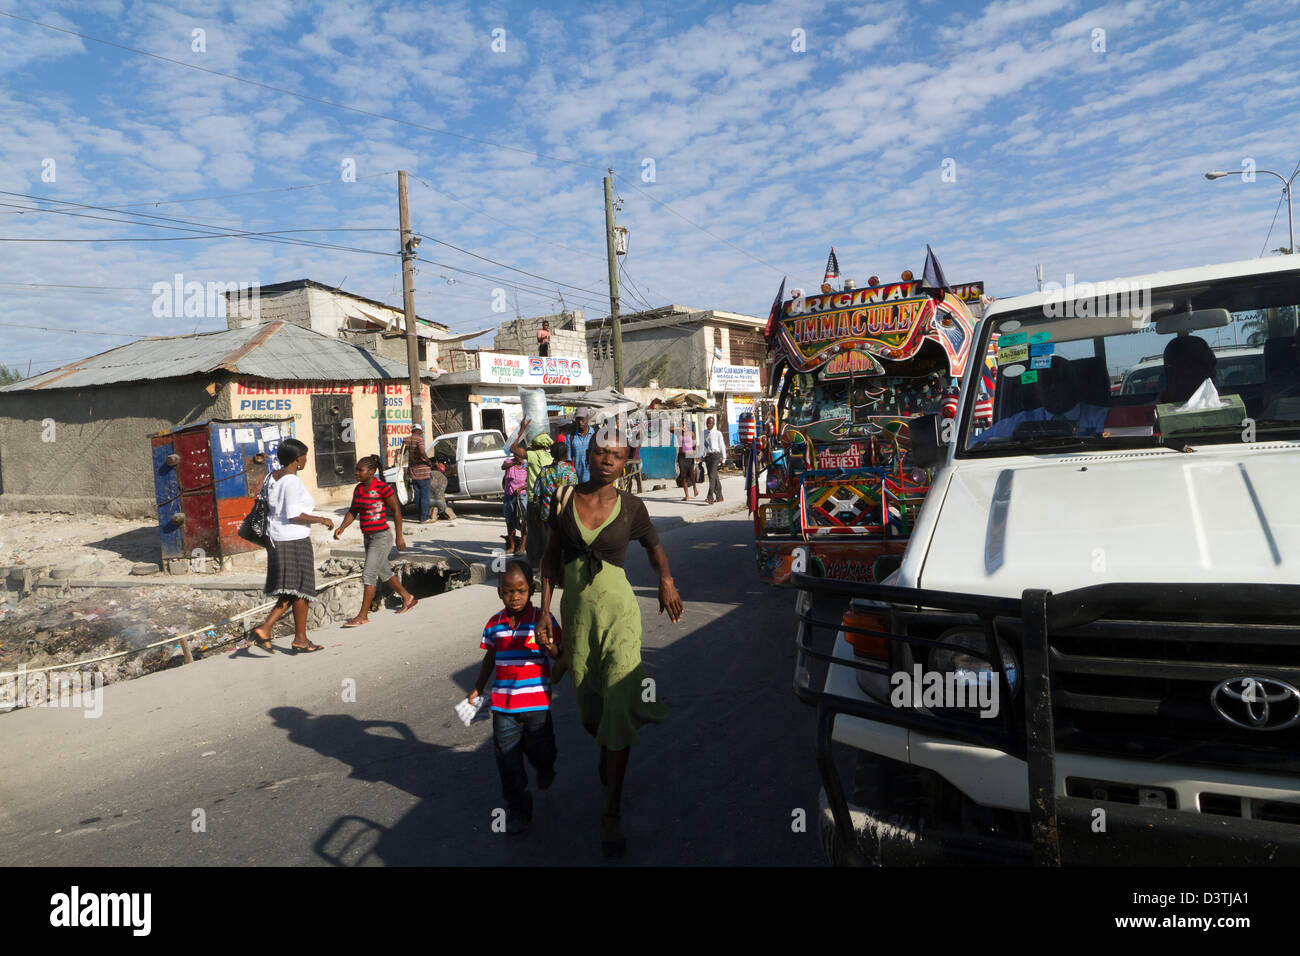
column 520, row 336
column 292, row 306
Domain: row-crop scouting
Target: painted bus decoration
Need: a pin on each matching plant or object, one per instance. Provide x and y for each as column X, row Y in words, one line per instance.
column 834, row 488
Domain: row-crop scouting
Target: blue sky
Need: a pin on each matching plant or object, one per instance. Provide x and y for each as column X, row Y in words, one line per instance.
column 1079, row 149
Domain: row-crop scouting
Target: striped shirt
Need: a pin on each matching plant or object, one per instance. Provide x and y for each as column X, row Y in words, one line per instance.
column 370, row 505
column 522, row 679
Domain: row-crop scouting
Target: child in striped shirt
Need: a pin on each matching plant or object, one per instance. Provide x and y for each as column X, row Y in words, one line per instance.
column 519, row 664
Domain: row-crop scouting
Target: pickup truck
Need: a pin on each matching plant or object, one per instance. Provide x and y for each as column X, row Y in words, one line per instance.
column 473, row 462
column 1089, row 652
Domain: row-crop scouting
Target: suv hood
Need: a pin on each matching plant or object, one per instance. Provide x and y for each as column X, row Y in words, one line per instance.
column 1219, row 514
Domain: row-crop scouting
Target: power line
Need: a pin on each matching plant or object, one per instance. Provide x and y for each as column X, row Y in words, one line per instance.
column 46, row 328
column 533, row 275
column 301, row 96
column 490, row 278
column 1276, row 210
column 58, row 285
column 503, row 222
column 691, row 222
column 221, row 232
column 253, row 192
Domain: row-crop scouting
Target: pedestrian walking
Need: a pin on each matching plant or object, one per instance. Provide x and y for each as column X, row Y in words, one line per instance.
column 421, row 468
column 537, row 455
column 373, row 500
column 580, row 443
column 591, row 527
column 685, row 441
column 559, row 474
column 290, row 565
column 514, row 501
column 521, row 691
column 715, row 450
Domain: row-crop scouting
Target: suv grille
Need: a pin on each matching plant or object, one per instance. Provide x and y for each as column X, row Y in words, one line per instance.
column 1143, row 690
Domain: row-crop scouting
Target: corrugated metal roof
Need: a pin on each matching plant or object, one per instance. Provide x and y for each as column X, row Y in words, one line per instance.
column 276, row 350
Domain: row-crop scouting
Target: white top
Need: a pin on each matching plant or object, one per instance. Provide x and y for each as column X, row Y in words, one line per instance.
column 714, row 443
column 287, row 498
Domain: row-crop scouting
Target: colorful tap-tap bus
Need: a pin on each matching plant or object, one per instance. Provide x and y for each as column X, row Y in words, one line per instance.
column 835, row 488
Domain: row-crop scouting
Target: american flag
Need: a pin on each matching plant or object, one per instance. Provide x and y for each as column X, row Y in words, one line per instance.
column 832, row 267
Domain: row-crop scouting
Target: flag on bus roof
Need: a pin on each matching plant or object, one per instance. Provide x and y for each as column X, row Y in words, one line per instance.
column 932, row 276
column 832, row 267
column 775, row 314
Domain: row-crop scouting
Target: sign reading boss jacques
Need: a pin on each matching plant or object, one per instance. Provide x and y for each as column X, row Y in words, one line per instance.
column 532, row 370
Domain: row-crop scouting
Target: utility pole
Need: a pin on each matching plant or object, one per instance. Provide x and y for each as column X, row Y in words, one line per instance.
column 613, row 281
column 408, row 299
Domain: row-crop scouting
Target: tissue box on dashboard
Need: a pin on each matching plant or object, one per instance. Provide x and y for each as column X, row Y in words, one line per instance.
column 1229, row 415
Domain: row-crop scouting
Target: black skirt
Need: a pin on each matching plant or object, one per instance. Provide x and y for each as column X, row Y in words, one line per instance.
column 291, row 569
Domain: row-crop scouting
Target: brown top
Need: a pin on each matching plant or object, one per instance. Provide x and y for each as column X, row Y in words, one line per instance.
column 631, row 523
column 421, row 467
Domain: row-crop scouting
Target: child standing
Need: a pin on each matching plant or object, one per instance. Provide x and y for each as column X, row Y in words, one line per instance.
column 514, row 485
column 372, row 501
column 519, row 664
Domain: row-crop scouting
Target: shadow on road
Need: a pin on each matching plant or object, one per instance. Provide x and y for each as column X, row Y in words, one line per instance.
column 715, row 784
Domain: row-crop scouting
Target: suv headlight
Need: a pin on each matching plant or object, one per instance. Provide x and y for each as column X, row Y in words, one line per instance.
column 956, row 660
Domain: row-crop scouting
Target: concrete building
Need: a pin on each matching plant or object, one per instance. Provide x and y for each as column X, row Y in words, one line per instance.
column 77, row 438
column 568, row 335
column 482, row 385
column 674, row 345
column 373, row 325
column 675, row 348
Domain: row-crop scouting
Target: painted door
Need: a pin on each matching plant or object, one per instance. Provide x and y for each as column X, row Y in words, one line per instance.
column 484, row 452
column 447, row 452
column 333, row 441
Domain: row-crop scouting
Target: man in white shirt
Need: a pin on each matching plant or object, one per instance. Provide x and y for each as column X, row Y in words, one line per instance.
column 1056, row 392
column 715, row 449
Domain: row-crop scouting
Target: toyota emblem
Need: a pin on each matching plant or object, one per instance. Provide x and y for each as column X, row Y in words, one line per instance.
column 1257, row 703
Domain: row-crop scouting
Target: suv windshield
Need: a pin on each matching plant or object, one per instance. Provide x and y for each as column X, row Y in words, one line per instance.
column 1198, row 365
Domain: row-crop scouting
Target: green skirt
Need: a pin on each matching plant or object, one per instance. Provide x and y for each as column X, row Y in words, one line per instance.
column 602, row 648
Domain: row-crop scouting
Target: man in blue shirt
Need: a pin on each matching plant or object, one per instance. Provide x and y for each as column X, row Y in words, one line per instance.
column 579, row 442
column 1056, row 393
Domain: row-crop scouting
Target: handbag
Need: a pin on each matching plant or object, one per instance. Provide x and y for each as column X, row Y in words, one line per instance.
column 254, row 526
column 700, row 474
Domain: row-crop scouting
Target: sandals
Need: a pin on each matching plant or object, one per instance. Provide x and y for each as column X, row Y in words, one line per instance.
column 306, row 648
column 355, row 623
column 406, row 607
column 263, row 642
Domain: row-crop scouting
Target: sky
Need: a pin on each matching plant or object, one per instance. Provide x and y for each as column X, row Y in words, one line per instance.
column 746, row 140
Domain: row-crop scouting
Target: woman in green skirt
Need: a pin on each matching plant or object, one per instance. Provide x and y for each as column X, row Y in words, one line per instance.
column 591, row 527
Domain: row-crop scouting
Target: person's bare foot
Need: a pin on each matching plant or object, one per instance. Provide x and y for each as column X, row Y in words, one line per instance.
column 407, row 605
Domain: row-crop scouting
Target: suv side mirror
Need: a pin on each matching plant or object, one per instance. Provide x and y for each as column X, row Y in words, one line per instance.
column 927, row 444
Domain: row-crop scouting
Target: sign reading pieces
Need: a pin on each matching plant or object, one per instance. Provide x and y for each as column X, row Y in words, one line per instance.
column 735, row 378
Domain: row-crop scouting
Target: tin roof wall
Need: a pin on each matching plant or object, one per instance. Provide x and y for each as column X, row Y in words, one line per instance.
column 277, row 350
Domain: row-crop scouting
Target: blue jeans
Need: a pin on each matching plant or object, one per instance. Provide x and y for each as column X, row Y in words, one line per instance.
column 514, row 737
column 422, row 497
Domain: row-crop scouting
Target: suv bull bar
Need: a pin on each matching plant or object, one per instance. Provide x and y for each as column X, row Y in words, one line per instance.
column 1255, row 614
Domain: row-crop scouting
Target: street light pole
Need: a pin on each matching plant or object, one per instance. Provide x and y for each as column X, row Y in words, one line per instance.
column 1286, row 191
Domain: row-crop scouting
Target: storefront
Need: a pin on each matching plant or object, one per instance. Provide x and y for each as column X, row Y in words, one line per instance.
column 735, row 389
column 490, row 392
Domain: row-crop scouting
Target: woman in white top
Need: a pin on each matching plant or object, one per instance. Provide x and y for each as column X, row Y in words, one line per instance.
column 290, row 566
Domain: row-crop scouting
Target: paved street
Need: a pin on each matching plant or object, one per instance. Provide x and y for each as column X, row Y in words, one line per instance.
column 287, row 773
